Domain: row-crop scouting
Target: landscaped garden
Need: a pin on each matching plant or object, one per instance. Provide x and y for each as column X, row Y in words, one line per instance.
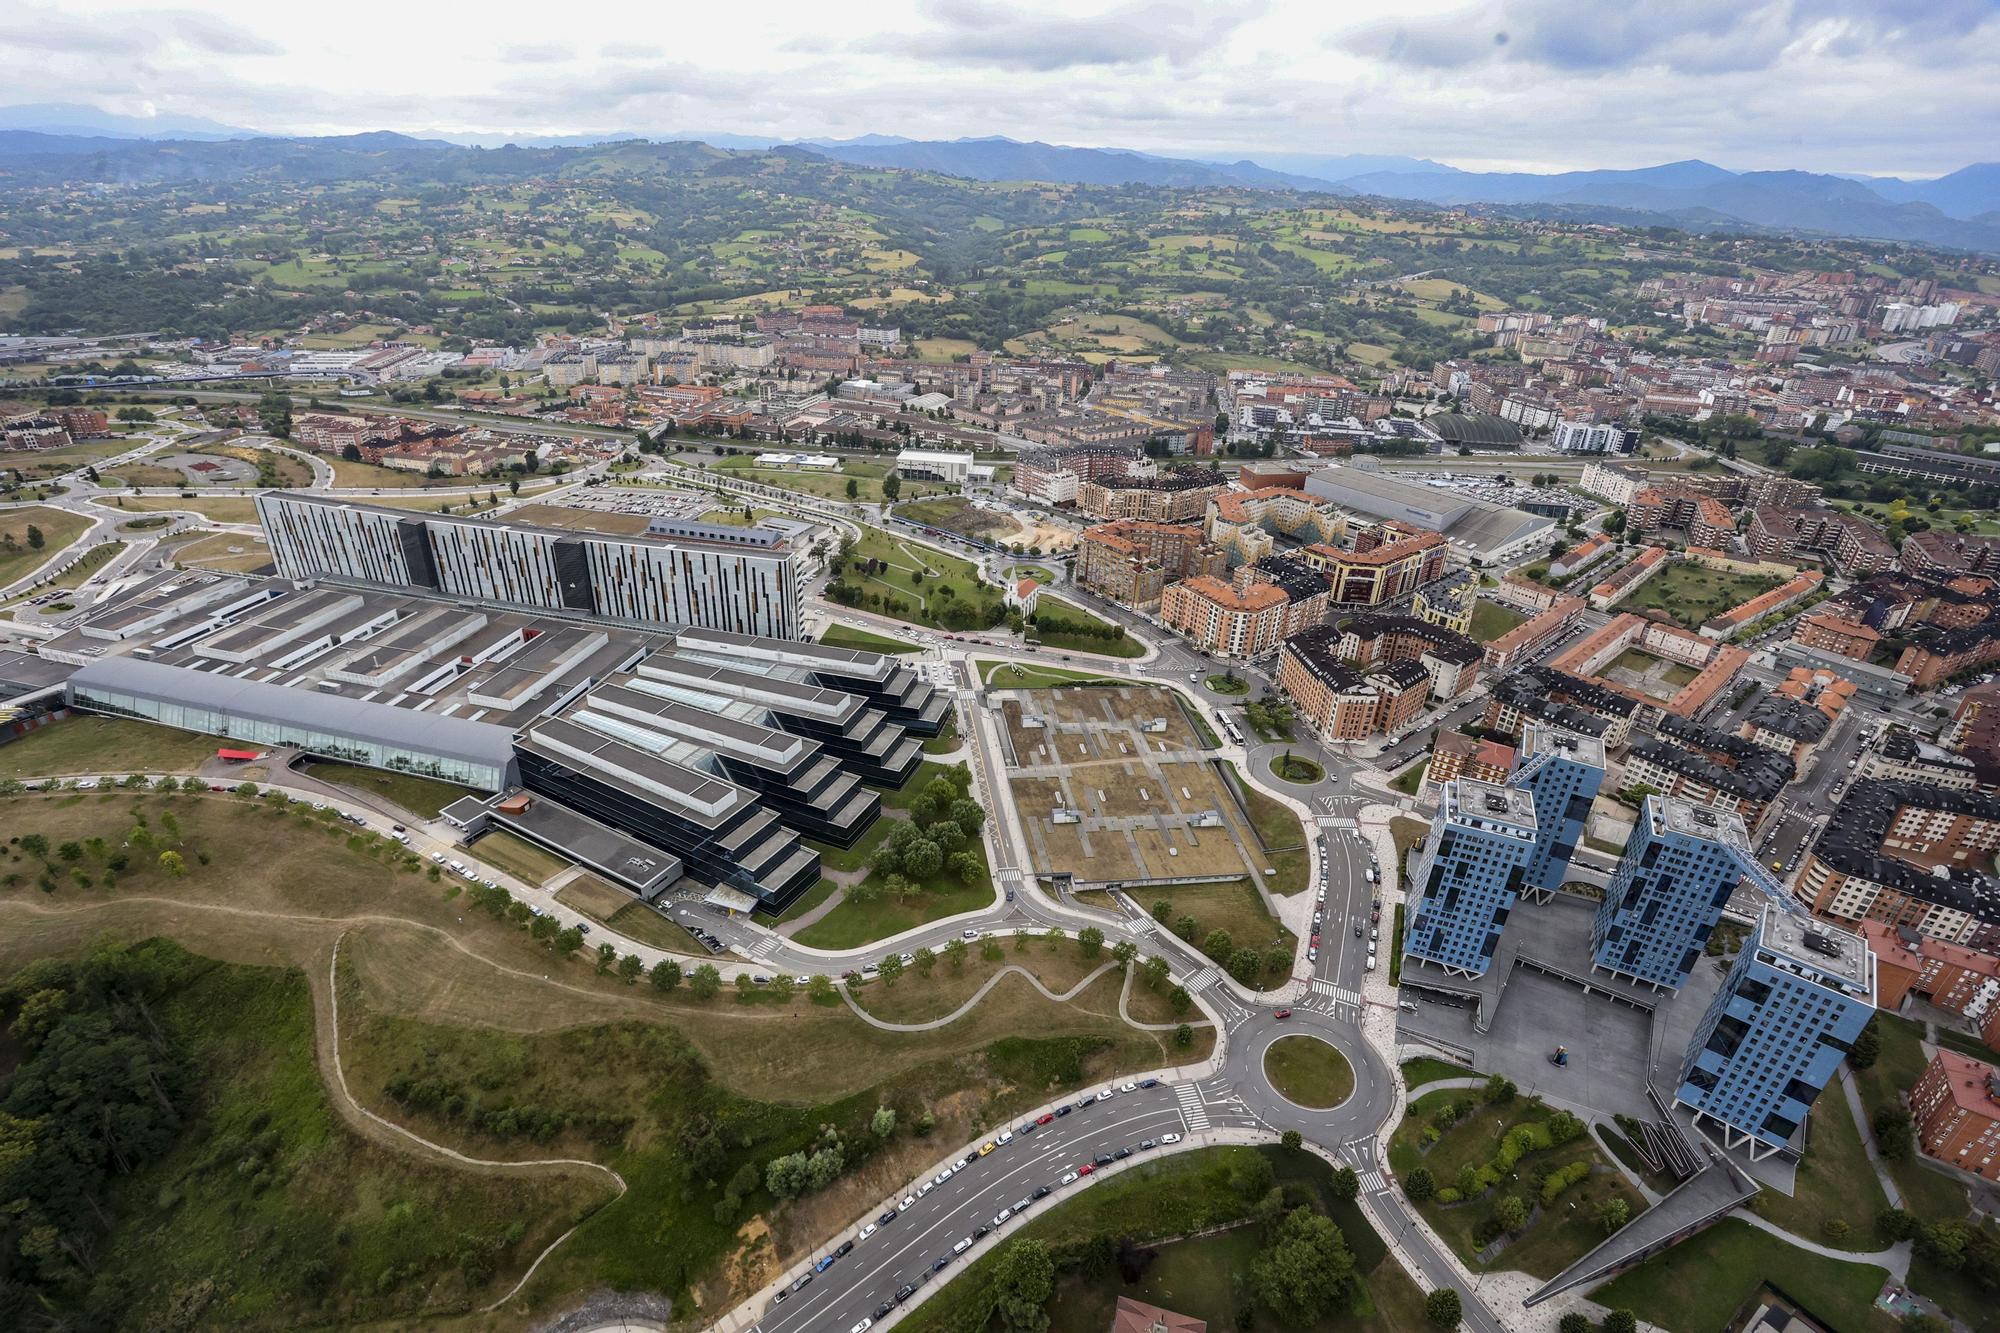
column 1507, row 1181
column 1691, row 593
column 1067, row 627
column 1289, row 767
column 909, row 582
column 1229, row 683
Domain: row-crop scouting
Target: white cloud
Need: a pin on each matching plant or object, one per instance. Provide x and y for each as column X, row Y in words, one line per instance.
column 1832, row 85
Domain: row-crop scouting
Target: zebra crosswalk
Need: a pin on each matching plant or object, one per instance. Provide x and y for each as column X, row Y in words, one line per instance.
column 764, row 947
column 1321, row 986
column 1203, row 979
column 1372, row 1182
column 1193, row 1110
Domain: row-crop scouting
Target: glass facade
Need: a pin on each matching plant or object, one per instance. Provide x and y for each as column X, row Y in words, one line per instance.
column 209, row 721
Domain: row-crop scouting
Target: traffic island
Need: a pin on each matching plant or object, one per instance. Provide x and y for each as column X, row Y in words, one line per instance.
column 1309, row 1072
column 1289, row 767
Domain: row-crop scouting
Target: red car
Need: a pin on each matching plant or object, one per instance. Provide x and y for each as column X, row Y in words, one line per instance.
column 1315, row 939
column 1045, row 1118
column 1086, row 1168
column 1282, row 1013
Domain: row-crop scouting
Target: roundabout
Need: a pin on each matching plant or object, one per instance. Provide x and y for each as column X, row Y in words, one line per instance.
column 1308, row 1071
column 1288, row 767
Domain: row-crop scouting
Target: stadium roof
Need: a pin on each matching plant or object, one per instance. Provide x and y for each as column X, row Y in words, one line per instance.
column 1474, row 428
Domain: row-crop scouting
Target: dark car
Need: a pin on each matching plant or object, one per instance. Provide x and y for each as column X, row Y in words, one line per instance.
column 1104, row 1159
column 1147, row 1143
column 846, row 1248
column 800, row 1285
column 903, row 1293
column 886, row 1218
column 1028, row 1128
column 1149, row 1083
column 1041, row 1192
column 1063, row 1110
column 1122, row 1154
column 937, row 1265
column 981, row 1230
column 882, row 1310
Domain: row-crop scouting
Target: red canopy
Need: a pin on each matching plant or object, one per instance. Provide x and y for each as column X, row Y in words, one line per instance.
column 236, row 756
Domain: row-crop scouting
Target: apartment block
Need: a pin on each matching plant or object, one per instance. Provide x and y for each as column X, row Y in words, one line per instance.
column 1563, row 770
column 1467, row 875
column 1795, row 999
column 1343, row 702
column 1131, row 561
column 1680, row 865
column 1956, row 1106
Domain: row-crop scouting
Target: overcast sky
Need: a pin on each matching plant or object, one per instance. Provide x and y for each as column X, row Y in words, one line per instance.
column 1909, row 88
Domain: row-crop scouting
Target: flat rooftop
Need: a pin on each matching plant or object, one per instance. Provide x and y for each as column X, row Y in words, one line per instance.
column 1472, row 803
column 1694, row 820
column 431, row 655
column 1811, row 945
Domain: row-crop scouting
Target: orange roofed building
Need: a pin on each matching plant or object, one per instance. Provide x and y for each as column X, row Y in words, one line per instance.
column 1956, row 1105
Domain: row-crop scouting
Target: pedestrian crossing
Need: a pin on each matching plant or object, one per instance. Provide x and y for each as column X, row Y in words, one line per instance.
column 1193, row 1110
column 764, row 947
column 1321, row 986
column 1372, row 1182
column 1203, row 979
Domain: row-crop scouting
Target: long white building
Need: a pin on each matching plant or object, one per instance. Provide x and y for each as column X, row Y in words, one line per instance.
column 743, row 580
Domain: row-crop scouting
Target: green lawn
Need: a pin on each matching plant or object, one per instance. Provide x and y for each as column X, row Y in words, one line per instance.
column 1834, row 1180
column 1174, row 1196
column 88, row 744
column 1691, row 594
column 909, row 582
column 1291, row 768
column 421, row 796
column 1931, row 1195
column 19, row 556
column 1229, row 684
column 1701, row 1283
column 847, row 636
column 1232, row 907
column 1309, row 1071
column 1067, row 627
column 1490, row 620
column 518, row 857
column 1424, row 1070
column 1412, row 778
column 1017, row 676
column 805, row 902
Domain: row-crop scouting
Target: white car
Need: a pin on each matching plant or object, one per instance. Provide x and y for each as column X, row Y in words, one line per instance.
column 1000, row 1218
column 941, row 1176
column 1069, row 1178
column 928, row 1186
column 868, row 1231
column 1006, row 1137
column 862, row 1327
column 1170, row 1138
column 1128, row 1087
column 909, row 1201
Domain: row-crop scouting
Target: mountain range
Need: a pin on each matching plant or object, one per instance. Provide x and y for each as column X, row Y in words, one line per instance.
column 1962, row 209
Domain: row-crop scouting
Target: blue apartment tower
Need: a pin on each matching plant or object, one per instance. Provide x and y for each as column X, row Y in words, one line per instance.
column 1563, row 770
column 1795, row 1000
column 1468, row 875
column 1680, row 865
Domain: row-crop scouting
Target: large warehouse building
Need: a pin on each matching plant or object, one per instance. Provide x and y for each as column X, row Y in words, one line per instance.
column 676, row 573
column 1476, row 529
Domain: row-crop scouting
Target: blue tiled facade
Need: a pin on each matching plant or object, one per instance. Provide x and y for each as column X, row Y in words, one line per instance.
column 1468, row 874
column 1563, row 771
column 1778, row 1029
column 1668, row 891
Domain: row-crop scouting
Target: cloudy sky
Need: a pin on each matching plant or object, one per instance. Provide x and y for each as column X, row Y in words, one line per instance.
column 1909, row 88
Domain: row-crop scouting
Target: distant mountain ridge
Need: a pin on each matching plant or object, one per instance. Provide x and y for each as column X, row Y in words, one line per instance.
column 1961, row 209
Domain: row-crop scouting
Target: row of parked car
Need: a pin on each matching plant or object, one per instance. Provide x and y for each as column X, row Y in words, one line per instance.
column 1000, row 1219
